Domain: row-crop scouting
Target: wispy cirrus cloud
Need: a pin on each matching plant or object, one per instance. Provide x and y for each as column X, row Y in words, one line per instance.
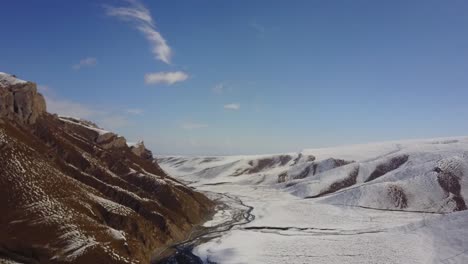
column 86, row 62
column 136, row 12
column 168, row 78
column 233, row 106
column 192, row 125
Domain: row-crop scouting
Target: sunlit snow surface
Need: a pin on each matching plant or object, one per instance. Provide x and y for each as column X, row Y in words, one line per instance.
column 8, row 80
column 356, row 224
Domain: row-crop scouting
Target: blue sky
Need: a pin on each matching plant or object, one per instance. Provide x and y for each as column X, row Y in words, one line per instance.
column 231, row 77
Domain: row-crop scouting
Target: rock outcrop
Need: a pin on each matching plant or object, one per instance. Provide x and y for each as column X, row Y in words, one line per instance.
column 111, row 140
column 19, row 100
column 72, row 192
column 141, row 151
column 103, row 138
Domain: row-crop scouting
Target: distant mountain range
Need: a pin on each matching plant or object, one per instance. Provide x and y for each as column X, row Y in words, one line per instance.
column 391, row 202
column 419, row 175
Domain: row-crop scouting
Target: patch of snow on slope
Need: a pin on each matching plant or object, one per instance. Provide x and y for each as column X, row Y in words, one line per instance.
column 8, row 80
column 111, row 206
column 117, row 234
column 4, row 260
column 77, row 122
column 76, row 244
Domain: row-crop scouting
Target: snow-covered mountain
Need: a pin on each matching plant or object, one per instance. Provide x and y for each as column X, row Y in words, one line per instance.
column 391, row 202
column 419, row 175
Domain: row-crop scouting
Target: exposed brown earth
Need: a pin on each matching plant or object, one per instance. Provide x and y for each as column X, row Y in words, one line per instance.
column 448, row 177
column 338, row 185
column 312, row 168
column 283, row 177
column 71, row 193
column 387, row 166
column 306, row 171
column 264, row 163
column 309, row 158
column 396, row 194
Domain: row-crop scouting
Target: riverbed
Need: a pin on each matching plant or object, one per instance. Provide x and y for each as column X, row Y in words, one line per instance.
column 262, row 224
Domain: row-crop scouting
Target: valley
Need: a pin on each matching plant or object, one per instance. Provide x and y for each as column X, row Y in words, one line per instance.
column 233, row 132
column 402, row 215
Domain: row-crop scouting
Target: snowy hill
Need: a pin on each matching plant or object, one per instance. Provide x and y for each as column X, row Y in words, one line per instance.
column 390, row 202
column 419, row 175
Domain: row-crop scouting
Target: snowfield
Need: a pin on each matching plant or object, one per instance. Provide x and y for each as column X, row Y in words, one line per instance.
column 391, row 202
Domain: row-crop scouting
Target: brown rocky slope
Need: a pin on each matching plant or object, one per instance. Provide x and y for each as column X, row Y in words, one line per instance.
column 73, row 193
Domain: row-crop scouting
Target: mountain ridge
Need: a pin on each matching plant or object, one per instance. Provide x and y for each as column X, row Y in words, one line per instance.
column 77, row 193
column 427, row 175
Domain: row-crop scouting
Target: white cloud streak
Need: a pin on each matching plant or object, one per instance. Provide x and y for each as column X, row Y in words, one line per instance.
column 140, row 15
column 168, row 78
column 232, row 106
column 86, row 62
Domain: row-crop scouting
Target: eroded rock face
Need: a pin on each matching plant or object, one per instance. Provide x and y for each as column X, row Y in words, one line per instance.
column 92, row 132
column 141, row 151
column 19, row 100
column 111, row 140
column 72, row 192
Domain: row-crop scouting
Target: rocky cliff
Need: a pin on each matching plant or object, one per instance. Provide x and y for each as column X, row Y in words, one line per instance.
column 140, row 150
column 19, row 100
column 72, row 192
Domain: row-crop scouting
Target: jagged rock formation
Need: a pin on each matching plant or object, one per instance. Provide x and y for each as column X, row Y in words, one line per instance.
column 72, row 192
column 103, row 138
column 19, row 100
column 141, row 151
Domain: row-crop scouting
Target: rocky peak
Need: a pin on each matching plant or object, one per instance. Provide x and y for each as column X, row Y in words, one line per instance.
column 19, row 100
column 140, row 150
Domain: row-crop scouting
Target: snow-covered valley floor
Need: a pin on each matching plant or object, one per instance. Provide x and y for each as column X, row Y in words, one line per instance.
column 289, row 228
